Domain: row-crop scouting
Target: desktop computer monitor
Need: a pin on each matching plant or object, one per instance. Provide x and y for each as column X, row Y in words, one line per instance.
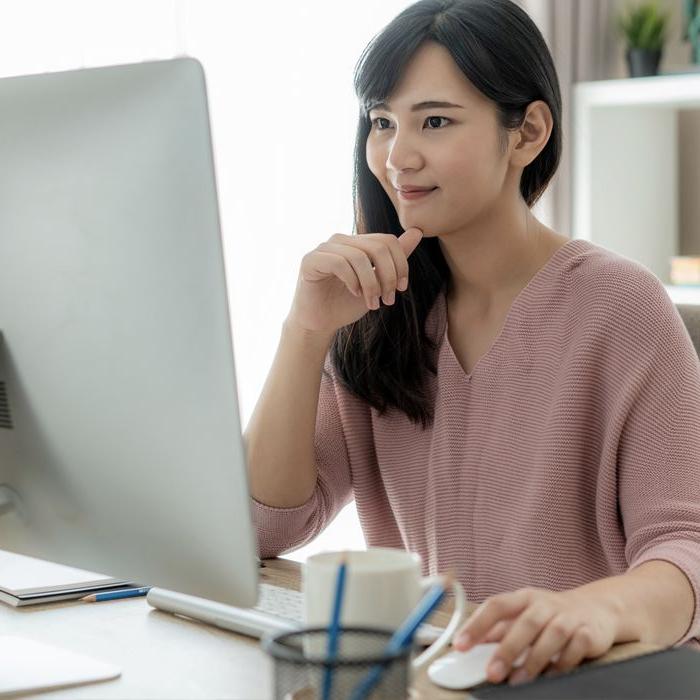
column 120, row 438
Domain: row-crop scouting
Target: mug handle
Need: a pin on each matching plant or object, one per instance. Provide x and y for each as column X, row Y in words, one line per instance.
column 444, row 639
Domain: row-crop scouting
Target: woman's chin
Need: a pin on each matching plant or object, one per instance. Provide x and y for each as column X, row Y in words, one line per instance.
column 423, row 225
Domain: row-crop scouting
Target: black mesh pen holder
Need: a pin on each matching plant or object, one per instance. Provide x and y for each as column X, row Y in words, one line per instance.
column 301, row 666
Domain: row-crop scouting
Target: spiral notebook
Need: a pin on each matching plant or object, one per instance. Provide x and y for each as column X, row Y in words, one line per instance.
column 28, row 581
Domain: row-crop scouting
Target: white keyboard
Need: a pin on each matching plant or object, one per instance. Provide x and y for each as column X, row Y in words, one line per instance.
column 278, row 610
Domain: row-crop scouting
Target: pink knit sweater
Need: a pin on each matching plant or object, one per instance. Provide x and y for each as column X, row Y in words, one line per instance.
column 570, row 453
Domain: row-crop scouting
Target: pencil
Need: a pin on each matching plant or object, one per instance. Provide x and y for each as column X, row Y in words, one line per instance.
column 334, row 630
column 113, row 595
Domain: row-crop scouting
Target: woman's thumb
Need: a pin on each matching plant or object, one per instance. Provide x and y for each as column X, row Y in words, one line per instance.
column 410, row 239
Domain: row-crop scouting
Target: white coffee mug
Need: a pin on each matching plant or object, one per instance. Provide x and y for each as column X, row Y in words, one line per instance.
column 382, row 587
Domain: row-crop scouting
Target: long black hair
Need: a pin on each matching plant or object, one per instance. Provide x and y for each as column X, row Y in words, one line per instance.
column 384, row 357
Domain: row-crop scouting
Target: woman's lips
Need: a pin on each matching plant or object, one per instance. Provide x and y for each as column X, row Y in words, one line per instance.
column 415, row 195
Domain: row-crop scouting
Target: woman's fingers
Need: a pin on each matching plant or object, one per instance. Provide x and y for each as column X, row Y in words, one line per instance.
column 371, row 265
column 338, row 265
column 368, row 277
column 498, row 631
column 373, row 262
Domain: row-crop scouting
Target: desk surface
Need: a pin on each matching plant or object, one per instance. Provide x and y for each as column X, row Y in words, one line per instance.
column 165, row 656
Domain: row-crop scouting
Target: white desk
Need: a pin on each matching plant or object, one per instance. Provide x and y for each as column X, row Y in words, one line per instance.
column 163, row 656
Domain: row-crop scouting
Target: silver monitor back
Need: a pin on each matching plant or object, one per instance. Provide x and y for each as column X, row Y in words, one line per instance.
column 120, row 436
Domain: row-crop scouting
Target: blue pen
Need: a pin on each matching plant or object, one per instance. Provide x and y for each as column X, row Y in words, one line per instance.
column 334, row 631
column 403, row 636
column 113, row 595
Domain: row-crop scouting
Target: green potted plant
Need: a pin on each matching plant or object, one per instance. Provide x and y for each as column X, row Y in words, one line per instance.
column 644, row 29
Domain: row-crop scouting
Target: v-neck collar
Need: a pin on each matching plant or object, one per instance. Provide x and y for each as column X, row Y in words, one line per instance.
column 526, row 295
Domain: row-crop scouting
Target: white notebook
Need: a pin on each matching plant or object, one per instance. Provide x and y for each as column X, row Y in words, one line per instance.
column 26, row 580
column 29, row 665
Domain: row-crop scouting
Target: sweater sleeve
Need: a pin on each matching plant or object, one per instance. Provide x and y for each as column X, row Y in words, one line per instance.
column 280, row 530
column 659, row 448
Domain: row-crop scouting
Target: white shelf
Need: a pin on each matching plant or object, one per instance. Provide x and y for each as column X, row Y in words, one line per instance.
column 658, row 90
column 683, row 294
column 625, row 165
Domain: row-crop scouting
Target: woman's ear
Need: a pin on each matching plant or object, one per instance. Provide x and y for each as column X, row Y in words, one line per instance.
column 533, row 135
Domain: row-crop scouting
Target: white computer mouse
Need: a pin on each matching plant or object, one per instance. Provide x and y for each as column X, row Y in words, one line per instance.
column 457, row 670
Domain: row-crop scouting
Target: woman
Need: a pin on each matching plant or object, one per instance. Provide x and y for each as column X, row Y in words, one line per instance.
column 526, row 411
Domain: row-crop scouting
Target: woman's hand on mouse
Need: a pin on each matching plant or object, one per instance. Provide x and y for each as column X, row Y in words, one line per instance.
column 571, row 625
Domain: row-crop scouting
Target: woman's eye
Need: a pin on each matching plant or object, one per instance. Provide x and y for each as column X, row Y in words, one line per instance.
column 438, row 118
column 378, row 119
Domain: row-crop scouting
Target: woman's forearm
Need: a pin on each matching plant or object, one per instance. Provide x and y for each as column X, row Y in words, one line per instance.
column 655, row 600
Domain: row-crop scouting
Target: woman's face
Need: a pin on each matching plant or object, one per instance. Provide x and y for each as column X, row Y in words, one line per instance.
column 455, row 149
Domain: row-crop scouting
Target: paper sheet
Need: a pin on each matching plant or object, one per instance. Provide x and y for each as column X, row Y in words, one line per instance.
column 29, row 665
column 20, row 574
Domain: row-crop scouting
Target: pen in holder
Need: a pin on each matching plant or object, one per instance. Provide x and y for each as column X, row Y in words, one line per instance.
column 334, row 630
column 298, row 675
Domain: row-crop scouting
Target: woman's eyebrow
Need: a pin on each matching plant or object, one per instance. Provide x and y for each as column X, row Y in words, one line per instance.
column 427, row 104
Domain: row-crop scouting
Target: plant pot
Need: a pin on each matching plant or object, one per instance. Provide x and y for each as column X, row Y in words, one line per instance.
column 643, row 62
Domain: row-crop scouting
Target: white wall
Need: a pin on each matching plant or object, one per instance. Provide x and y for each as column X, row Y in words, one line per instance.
column 283, row 114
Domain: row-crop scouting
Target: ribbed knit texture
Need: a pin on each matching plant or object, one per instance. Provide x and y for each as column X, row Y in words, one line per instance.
column 570, row 453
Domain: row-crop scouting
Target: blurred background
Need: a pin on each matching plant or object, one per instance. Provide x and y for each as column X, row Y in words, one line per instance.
column 283, row 114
